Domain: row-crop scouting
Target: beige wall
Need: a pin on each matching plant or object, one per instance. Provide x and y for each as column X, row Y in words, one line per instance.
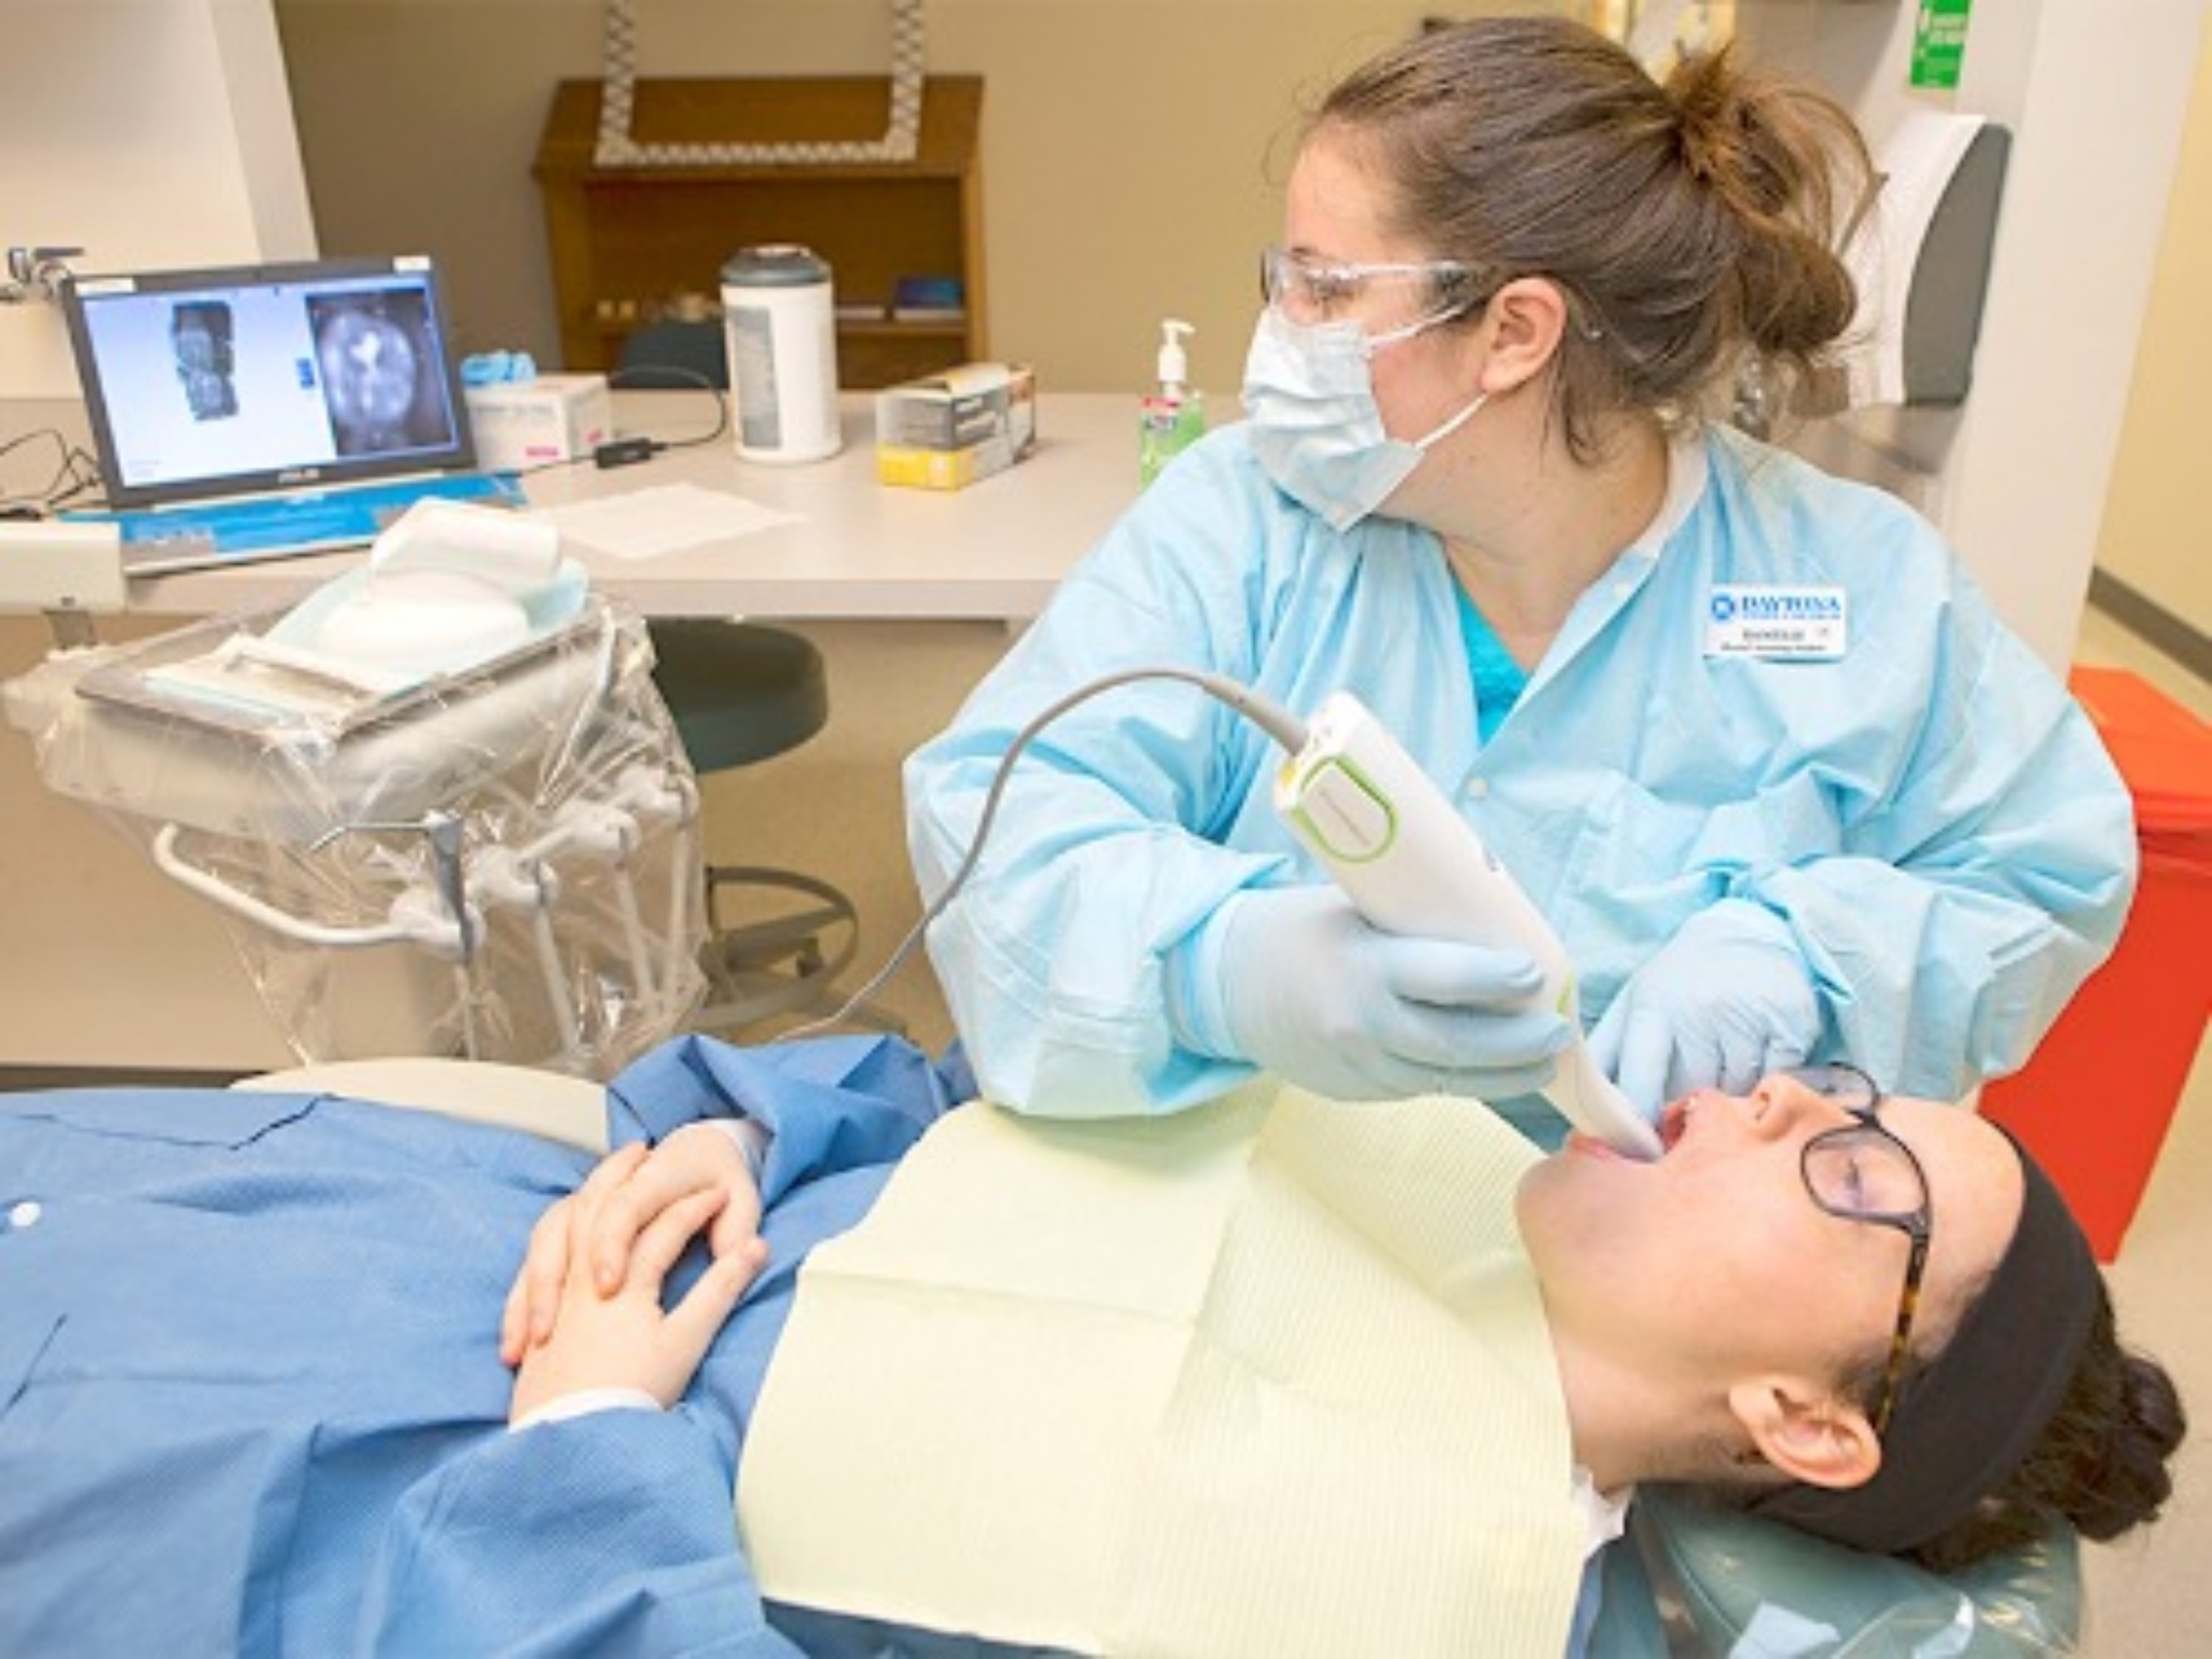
column 2019, row 477
column 147, row 136
column 1131, row 152
column 2159, row 516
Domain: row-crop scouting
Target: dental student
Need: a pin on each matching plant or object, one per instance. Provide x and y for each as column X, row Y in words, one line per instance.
column 1748, row 735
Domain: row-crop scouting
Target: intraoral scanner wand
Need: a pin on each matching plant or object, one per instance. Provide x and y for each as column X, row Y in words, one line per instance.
column 1411, row 865
column 1408, row 862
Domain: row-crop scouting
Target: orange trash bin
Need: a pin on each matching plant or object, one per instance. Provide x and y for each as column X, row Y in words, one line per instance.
column 2096, row 1100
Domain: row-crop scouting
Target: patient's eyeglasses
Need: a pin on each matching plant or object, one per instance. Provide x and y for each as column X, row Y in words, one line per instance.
column 1309, row 289
column 1863, row 1172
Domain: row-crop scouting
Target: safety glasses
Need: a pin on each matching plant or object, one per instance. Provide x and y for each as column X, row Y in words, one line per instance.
column 1309, row 289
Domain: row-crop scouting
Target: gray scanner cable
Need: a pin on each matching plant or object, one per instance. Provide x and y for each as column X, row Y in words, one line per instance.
column 1271, row 717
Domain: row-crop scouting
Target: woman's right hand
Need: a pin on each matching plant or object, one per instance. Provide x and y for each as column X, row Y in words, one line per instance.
column 1315, row 995
column 631, row 1187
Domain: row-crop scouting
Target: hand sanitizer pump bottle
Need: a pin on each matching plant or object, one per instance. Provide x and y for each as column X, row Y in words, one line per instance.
column 1173, row 417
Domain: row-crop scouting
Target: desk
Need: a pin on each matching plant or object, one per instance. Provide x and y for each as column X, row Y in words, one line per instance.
column 104, row 962
column 860, row 551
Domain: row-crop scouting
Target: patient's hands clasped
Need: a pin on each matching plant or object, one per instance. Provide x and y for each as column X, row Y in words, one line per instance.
column 586, row 1311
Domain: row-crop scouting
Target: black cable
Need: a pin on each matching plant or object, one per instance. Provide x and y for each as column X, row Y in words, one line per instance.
column 636, row 372
column 626, row 450
column 75, row 473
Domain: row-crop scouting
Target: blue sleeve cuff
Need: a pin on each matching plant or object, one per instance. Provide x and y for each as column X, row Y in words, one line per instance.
column 1742, row 919
column 584, row 1401
column 1198, row 986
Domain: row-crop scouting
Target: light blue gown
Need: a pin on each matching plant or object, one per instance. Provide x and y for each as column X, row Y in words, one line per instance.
column 1931, row 816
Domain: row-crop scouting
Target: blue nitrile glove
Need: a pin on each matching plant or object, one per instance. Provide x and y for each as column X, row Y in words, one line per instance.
column 1307, row 990
column 1719, row 1005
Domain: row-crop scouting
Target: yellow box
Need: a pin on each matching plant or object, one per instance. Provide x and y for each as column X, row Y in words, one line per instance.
column 946, row 431
column 934, row 469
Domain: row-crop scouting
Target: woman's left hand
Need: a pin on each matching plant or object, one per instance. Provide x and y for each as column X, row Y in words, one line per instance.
column 1720, row 1004
column 625, row 1338
column 625, row 1195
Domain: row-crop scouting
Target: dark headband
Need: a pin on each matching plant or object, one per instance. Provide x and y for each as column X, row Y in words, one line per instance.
column 1965, row 1422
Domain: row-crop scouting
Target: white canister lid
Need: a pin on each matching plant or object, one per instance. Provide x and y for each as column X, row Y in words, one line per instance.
column 775, row 264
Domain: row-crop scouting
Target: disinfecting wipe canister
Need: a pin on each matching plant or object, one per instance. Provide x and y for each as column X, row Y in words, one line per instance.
column 782, row 330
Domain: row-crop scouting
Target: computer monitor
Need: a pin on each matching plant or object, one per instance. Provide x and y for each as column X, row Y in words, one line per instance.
column 252, row 379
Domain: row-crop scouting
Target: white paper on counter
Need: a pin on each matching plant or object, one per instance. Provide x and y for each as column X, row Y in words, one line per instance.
column 664, row 519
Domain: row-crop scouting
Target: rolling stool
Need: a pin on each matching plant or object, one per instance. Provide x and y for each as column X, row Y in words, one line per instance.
column 740, row 692
column 673, row 355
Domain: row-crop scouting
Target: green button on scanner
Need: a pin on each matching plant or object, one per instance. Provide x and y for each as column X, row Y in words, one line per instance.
column 1347, row 817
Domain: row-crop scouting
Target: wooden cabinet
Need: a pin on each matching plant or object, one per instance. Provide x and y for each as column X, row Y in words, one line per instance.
column 632, row 244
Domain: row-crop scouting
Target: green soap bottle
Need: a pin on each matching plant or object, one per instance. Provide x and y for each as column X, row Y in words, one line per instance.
column 1173, row 417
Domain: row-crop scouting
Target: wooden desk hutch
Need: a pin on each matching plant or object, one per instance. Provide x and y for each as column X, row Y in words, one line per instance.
column 632, row 244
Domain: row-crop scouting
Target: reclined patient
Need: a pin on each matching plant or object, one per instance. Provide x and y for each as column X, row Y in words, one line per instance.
column 252, row 1396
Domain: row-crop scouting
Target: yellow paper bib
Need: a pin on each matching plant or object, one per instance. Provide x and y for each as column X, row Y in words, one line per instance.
column 1270, row 1379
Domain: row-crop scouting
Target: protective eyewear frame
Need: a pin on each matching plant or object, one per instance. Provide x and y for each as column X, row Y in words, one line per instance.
column 1853, row 1090
column 1329, row 283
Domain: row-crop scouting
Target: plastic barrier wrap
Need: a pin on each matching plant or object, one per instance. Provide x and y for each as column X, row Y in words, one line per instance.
column 499, row 862
column 1693, row 1577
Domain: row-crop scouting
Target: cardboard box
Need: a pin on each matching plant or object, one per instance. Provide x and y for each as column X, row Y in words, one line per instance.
column 939, row 469
column 946, row 431
column 526, row 423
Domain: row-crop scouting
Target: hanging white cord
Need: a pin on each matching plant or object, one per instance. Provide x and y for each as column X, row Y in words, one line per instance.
column 174, row 864
column 464, row 1000
column 617, row 107
column 556, row 989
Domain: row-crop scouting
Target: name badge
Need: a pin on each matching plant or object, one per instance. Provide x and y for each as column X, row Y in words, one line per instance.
column 1808, row 623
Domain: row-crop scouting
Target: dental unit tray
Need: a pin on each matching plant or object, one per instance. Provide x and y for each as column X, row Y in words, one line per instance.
column 229, row 678
column 497, row 859
column 191, row 725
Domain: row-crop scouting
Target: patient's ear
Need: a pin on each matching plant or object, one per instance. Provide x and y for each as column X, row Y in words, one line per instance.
column 1807, row 1433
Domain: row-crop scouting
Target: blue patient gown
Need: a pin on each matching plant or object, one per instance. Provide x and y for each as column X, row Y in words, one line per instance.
column 250, row 1399
column 1930, row 817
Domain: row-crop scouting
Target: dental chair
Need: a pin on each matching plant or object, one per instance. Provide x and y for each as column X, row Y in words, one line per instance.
column 1694, row 1578
column 1688, row 1578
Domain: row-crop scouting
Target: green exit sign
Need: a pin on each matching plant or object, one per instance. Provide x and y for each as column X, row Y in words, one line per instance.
column 1939, row 42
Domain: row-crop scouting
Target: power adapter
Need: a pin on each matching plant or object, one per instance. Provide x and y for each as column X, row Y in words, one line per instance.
column 626, row 452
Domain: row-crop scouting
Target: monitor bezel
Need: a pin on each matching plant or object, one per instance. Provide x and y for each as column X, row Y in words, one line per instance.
column 120, row 493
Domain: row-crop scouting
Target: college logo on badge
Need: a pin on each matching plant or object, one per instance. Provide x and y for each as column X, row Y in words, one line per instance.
column 1805, row 623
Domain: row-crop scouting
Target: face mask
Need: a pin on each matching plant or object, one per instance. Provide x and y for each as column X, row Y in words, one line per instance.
column 1310, row 399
